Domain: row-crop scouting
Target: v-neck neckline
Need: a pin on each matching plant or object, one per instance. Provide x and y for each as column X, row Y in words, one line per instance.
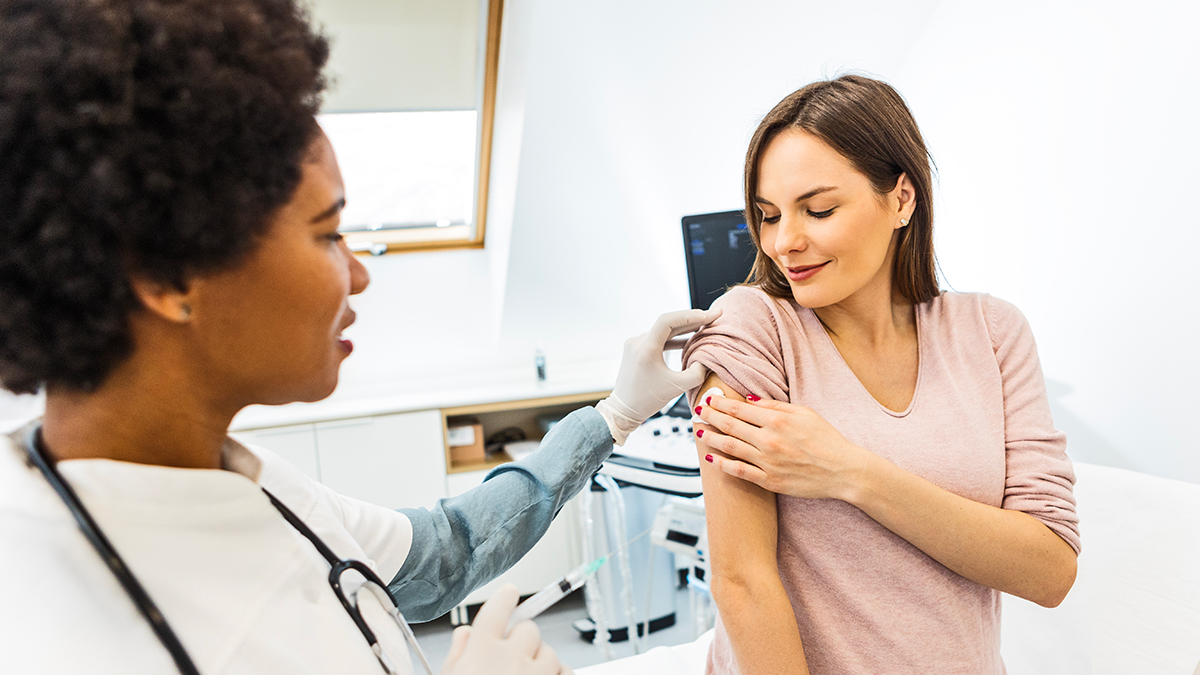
column 814, row 323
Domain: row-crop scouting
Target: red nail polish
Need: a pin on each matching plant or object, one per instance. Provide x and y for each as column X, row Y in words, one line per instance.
column 752, row 398
column 707, row 400
column 708, row 458
column 697, row 410
column 699, row 433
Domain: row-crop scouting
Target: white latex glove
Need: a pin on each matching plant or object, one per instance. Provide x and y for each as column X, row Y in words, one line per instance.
column 483, row 649
column 644, row 383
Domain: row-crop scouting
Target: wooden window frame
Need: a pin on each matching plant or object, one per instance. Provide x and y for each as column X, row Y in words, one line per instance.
column 429, row 239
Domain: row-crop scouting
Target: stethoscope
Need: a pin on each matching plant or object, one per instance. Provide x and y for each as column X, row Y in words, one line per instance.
column 35, row 448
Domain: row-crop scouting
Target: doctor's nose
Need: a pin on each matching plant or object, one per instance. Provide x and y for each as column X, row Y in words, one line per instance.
column 359, row 277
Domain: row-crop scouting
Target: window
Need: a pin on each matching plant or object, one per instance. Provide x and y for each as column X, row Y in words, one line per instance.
column 409, row 113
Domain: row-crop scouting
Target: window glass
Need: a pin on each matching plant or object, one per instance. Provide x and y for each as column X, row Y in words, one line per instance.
column 405, row 169
column 408, row 112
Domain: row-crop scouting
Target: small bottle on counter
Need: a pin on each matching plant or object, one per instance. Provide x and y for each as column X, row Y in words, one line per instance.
column 539, row 362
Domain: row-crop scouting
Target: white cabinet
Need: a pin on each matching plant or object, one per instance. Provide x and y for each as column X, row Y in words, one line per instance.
column 297, row 444
column 395, row 461
column 400, row 460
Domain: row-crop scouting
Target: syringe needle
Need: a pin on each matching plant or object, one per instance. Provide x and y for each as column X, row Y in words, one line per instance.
column 562, row 587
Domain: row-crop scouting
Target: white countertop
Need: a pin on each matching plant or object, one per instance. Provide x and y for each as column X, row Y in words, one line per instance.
column 378, row 398
column 360, row 400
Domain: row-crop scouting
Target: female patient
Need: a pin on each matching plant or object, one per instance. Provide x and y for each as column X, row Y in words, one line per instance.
column 883, row 462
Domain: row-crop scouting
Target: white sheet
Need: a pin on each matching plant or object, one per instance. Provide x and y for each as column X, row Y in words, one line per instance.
column 684, row 659
column 1135, row 607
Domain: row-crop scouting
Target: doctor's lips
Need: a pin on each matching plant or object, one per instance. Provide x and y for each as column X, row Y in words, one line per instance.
column 345, row 344
column 803, row 272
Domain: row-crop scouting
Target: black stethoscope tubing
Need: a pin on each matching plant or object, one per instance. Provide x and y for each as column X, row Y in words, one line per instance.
column 110, row 556
column 35, row 448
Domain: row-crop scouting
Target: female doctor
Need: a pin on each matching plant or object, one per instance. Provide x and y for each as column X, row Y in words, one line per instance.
column 169, row 255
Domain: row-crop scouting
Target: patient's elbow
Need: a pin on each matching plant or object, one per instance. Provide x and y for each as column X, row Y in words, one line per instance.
column 1052, row 599
column 728, row 595
column 1054, row 590
column 739, row 586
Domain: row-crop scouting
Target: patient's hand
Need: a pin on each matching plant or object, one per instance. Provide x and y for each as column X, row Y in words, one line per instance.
column 781, row 447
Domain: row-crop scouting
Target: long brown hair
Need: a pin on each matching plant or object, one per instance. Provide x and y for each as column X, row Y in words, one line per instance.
column 867, row 122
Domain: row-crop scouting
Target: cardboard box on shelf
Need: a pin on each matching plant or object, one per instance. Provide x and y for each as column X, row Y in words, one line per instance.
column 465, row 440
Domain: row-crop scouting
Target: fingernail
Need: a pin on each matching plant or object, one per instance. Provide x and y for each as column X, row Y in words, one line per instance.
column 752, row 398
column 708, row 458
column 707, row 400
column 699, row 433
column 697, row 410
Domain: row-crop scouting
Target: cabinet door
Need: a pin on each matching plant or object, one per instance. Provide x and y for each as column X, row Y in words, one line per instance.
column 392, row 460
column 555, row 554
column 297, row 444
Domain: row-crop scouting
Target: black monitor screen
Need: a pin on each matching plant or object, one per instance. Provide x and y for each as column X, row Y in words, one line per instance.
column 719, row 254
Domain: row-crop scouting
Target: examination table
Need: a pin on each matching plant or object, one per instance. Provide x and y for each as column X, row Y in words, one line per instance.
column 1135, row 607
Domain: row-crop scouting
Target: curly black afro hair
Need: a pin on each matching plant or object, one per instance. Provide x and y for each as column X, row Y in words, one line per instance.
column 148, row 137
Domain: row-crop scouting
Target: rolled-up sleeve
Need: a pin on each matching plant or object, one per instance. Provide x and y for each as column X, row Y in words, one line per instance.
column 742, row 346
column 1039, row 478
column 466, row 541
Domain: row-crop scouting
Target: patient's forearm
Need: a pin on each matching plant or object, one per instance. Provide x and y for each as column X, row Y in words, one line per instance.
column 758, row 619
column 1009, row 551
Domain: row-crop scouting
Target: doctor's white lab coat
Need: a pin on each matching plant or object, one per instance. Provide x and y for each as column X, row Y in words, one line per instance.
column 242, row 589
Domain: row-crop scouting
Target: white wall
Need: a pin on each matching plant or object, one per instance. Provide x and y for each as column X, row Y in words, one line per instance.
column 1063, row 132
column 1068, row 183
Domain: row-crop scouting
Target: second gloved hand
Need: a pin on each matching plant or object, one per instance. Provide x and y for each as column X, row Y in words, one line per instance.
column 483, row 649
column 644, row 382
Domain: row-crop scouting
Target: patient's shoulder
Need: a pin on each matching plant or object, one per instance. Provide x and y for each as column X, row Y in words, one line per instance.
column 751, row 313
column 746, row 303
column 744, row 346
column 980, row 315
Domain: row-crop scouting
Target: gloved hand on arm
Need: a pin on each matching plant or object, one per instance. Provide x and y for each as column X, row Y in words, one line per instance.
column 483, row 649
column 644, row 382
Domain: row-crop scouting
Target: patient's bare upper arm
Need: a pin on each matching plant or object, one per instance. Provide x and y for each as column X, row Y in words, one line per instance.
column 742, row 520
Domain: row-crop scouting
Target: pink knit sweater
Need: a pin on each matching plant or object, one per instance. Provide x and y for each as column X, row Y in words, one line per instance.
column 866, row 601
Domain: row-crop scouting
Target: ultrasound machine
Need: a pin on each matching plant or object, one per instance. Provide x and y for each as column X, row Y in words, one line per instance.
column 652, row 481
column 661, row 454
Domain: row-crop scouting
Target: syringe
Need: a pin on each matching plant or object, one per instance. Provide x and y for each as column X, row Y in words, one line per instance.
column 557, row 590
column 545, row 598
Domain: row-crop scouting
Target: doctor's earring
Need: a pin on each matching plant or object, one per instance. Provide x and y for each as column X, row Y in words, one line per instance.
column 185, row 312
column 903, row 222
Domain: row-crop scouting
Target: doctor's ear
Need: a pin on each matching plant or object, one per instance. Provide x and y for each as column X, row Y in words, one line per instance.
column 903, row 198
column 164, row 299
